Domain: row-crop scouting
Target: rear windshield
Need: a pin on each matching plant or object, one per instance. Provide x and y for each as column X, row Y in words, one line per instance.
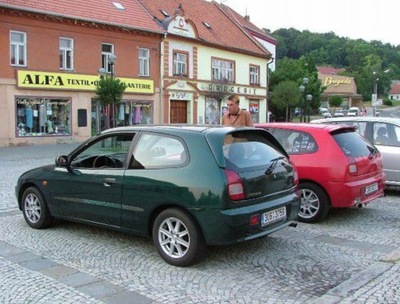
column 246, row 152
column 353, row 144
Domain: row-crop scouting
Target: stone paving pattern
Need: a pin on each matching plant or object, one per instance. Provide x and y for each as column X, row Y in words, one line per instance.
column 352, row 257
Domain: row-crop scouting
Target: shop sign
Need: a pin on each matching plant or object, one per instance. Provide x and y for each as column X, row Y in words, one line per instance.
column 336, row 81
column 69, row 81
column 181, row 96
column 212, row 87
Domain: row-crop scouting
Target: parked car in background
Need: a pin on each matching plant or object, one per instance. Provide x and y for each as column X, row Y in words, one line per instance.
column 337, row 167
column 353, row 111
column 338, row 113
column 184, row 186
column 384, row 133
column 325, row 112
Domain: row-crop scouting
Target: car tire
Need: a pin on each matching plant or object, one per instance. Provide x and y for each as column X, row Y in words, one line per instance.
column 35, row 210
column 314, row 206
column 177, row 238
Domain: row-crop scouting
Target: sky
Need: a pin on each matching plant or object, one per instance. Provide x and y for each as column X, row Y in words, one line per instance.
column 354, row 19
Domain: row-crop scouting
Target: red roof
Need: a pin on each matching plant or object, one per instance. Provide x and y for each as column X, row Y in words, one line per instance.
column 223, row 31
column 132, row 16
column 329, row 70
column 395, row 89
column 246, row 23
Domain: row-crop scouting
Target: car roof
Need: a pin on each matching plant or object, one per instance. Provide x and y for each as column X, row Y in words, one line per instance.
column 302, row 126
column 169, row 127
column 360, row 118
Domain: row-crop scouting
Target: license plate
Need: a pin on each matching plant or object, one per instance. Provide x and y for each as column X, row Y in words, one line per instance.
column 273, row 216
column 371, row 188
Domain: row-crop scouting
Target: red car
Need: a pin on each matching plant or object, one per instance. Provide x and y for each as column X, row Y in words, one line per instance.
column 336, row 166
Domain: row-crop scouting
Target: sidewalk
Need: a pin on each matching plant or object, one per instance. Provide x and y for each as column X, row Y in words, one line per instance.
column 378, row 283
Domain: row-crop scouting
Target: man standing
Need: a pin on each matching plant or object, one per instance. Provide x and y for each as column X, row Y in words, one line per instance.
column 236, row 117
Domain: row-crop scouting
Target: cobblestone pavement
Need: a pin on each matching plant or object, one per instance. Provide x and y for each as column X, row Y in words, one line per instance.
column 352, row 257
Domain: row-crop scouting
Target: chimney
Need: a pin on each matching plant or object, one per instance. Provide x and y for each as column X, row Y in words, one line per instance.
column 247, row 18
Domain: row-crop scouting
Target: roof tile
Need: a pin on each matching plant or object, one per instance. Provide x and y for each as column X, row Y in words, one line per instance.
column 134, row 16
column 224, row 31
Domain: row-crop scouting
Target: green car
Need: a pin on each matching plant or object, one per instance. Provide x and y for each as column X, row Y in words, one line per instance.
column 185, row 186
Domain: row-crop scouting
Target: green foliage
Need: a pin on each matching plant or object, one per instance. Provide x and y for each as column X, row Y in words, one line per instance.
column 388, row 102
column 286, row 96
column 335, row 101
column 109, row 90
column 359, row 57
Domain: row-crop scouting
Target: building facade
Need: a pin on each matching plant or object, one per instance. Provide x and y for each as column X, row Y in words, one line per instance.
column 343, row 86
column 50, row 67
column 208, row 55
column 179, row 65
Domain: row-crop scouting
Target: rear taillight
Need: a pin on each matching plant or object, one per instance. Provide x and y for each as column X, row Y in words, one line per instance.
column 235, row 186
column 352, row 167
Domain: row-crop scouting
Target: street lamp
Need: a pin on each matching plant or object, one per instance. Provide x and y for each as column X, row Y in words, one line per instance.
column 375, row 95
column 306, row 99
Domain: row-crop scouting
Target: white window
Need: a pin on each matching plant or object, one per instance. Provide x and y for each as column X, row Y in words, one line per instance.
column 66, row 54
column 180, row 64
column 107, row 52
column 254, row 74
column 144, row 59
column 223, row 70
column 17, row 48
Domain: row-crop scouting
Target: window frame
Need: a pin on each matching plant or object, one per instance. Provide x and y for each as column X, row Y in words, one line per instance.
column 105, row 55
column 144, row 63
column 254, row 76
column 223, row 67
column 63, row 51
column 178, row 64
column 17, row 47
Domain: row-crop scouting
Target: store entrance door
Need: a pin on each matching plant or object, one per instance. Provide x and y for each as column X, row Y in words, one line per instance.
column 178, row 111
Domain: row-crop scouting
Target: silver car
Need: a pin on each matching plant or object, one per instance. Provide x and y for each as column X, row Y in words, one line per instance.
column 384, row 133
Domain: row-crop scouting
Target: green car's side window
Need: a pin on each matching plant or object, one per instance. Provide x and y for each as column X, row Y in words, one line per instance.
column 158, row 151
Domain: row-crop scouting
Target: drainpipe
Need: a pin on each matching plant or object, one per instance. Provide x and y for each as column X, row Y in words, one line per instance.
column 267, row 78
column 162, row 79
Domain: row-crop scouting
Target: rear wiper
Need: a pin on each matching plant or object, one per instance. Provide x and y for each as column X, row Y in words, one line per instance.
column 373, row 151
column 274, row 162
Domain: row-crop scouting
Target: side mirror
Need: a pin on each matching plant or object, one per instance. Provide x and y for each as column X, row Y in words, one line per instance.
column 62, row 161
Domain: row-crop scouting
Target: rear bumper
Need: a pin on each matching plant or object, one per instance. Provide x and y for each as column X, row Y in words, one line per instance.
column 343, row 195
column 233, row 225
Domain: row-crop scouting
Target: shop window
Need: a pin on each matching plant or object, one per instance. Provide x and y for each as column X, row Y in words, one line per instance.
column 144, row 62
column 254, row 74
column 66, row 52
column 254, row 106
column 38, row 116
column 223, row 70
column 212, row 114
column 128, row 113
column 17, row 48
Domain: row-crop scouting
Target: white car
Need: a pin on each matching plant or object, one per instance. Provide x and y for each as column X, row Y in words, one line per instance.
column 325, row 112
column 354, row 111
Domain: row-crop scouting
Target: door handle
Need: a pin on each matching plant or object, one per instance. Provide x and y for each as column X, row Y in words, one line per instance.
column 109, row 181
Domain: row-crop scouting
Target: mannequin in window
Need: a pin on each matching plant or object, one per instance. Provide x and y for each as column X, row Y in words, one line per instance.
column 50, row 129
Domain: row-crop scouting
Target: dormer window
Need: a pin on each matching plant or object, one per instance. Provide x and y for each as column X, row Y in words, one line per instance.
column 207, row 25
column 164, row 13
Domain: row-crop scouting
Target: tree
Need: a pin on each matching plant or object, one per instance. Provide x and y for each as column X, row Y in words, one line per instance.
column 109, row 91
column 286, row 95
column 335, row 101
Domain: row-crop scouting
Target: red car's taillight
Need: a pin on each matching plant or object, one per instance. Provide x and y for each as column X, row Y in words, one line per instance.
column 235, row 187
column 352, row 166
